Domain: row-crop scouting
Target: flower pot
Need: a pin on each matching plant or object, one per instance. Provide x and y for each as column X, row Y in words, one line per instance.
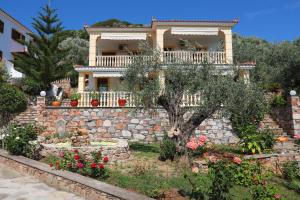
column 74, row 103
column 56, row 103
column 122, row 102
column 95, row 102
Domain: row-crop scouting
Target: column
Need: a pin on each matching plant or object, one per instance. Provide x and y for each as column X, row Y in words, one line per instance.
column 81, row 82
column 245, row 75
column 93, row 50
column 161, row 78
column 159, row 40
column 91, row 82
column 294, row 104
column 228, row 45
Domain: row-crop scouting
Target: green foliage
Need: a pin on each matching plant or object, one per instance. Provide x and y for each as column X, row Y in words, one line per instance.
column 45, row 61
column 18, row 140
column 3, row 73
column 244, row 173
column 294, row 185
column 30, row 86
column 273, row 87
column 254, row 141
column 116, row 23
column 278, row 101
column 94, row 95
column 167, row 148
column 290, row 170
column 247, row 105
column 75, row 96
column 222, row 180
column 12, row 100
column 261, row 190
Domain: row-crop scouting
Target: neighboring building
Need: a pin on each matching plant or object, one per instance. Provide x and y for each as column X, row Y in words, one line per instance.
column 11, row 31
column 111, row 49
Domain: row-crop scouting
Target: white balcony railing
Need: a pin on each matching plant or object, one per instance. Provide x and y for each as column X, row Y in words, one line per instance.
column 110, row 99
column 194, row 57
column 168, row 57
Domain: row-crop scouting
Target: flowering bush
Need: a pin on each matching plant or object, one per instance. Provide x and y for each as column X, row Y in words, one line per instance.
column 297, row 137
column 76, row 162
column 196, row 146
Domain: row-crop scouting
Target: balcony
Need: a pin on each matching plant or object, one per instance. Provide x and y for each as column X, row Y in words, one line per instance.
column 168, row 57
column 110, row 99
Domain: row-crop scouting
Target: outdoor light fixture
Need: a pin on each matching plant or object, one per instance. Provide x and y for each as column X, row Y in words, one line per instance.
column 43, row 93
column 293, row 93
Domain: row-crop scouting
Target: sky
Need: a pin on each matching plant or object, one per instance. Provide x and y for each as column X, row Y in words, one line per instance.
column 273, row 20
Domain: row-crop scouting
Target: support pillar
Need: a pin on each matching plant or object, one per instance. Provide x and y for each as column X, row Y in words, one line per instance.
column 93, row 50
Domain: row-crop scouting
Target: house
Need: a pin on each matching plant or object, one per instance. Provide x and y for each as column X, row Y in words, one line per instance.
column 112, row 49
column 11, row 33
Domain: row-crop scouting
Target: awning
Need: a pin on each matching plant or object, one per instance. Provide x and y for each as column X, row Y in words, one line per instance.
column 123, row 36
column 194, row 31
column 106, row 74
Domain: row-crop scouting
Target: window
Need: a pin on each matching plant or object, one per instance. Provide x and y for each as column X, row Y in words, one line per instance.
column 1, row 54
column 17, row 36
column 1, row 26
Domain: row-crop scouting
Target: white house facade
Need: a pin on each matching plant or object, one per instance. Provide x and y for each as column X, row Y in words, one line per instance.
column 11, row 32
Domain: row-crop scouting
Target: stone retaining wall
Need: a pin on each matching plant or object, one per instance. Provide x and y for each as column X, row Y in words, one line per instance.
column 124, row 123
column 85, row 187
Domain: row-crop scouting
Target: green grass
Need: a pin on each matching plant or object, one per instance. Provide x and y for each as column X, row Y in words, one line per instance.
column 144, row 150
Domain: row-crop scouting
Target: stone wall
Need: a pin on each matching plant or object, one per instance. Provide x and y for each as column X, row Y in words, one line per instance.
column 131, row 124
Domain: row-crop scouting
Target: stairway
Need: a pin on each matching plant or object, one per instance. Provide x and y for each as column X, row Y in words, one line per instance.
column 269, row 123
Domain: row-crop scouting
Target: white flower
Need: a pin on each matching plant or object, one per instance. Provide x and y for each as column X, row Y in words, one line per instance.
column 17, row 138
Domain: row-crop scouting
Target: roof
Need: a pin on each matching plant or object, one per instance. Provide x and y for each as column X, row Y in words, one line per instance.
column 15, row 21
column 196, row 22
column 228, row 23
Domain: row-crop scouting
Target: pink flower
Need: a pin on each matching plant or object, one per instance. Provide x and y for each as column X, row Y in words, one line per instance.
column 192, row 145
column 213, row 159
column 75, row 150
column 61, row 154
column 277, row 196
column 200, row 143
column 237, row 160
column 297, row 136
column 80, row 165
column 202, row 139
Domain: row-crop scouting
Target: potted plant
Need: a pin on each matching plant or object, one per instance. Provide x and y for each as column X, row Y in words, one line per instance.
column 94, row 96
column 122, row 102
column 56, row 103
column 74, row 99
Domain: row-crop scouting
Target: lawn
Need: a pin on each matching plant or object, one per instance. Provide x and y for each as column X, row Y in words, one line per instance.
column 147, row 175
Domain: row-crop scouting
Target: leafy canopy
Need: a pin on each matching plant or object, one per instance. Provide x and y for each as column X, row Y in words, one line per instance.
column 45, row 60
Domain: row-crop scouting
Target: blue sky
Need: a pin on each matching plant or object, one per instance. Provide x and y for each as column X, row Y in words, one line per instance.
column 274, row 20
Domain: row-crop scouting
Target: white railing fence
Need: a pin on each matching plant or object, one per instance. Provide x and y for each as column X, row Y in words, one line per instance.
column 194, row 57
column 168, row 57
column 111, row 99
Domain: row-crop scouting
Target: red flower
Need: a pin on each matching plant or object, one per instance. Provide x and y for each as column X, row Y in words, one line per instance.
column 76, row 157
column 237, row 160
column 93, row 165
column 75, row 150
column 101, row 166
column 80, row 165
column 105, row 159
column 50, row 165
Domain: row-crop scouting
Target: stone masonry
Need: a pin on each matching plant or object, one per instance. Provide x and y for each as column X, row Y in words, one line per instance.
column 124, row 123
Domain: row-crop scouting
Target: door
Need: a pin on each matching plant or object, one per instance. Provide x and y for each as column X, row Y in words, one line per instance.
column 102, row 84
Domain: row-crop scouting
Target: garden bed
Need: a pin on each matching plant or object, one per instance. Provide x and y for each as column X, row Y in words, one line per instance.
column 117, row 149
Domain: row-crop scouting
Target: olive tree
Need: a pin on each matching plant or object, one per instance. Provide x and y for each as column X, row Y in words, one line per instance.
column 162, row 85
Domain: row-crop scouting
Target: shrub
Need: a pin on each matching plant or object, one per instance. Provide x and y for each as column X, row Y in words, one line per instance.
column 19, row 140
column 31, row 86
column 222, row 180
column 273, row 87
column 76, row 162
column 167, row 148
column 253, row 141
column 244, row 173
column 278, row 101
column 12, row 100
column 290, row 170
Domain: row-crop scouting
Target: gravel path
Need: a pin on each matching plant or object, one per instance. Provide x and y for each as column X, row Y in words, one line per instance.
column 14, row 186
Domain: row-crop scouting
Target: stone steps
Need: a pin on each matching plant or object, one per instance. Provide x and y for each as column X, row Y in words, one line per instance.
column 269, row 123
